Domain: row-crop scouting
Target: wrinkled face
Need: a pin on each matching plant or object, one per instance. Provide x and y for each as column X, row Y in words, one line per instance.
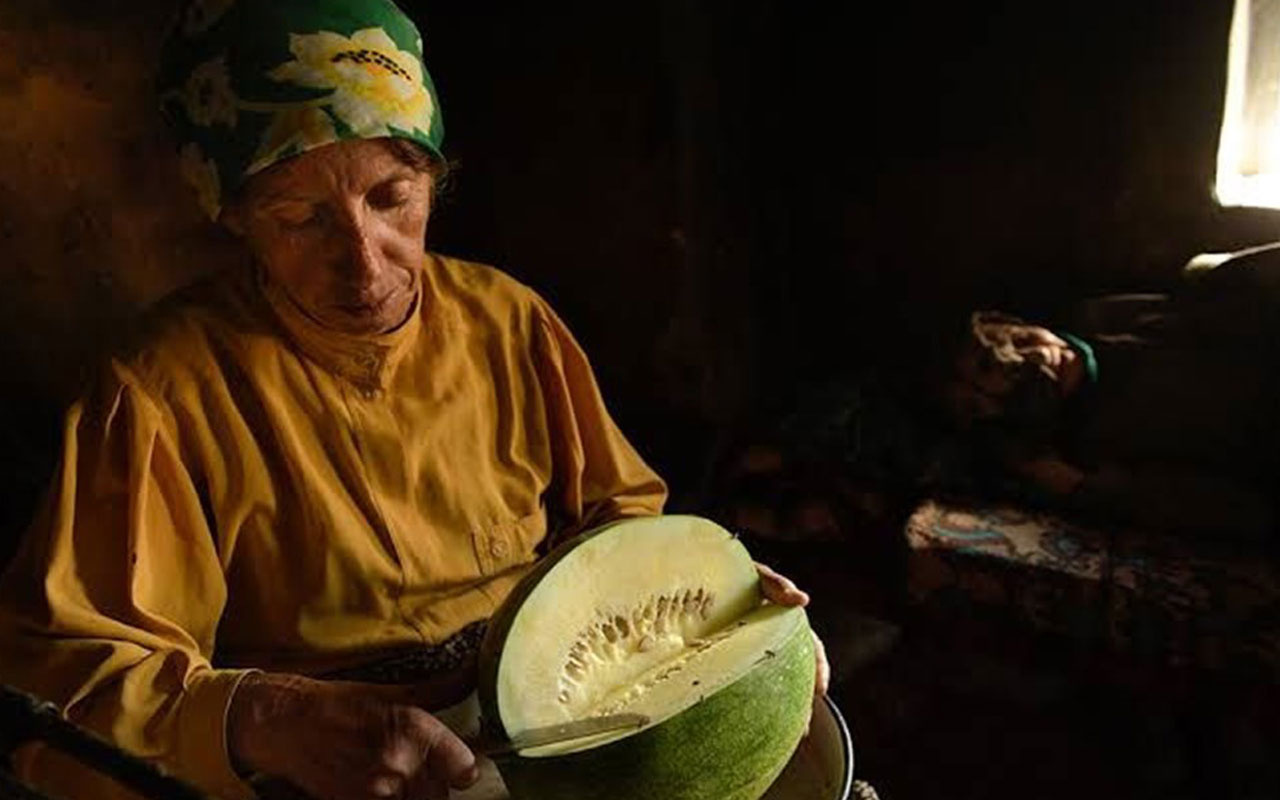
column 340, row 229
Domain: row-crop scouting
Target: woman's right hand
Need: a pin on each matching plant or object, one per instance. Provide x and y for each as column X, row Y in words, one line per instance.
column 342, row 741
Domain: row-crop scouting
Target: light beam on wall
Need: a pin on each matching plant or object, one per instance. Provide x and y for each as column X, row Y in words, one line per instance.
column 1249, row 148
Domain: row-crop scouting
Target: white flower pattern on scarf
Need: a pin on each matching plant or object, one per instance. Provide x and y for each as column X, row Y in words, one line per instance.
column 208, row 95
column 376, row 85
column 295, row 129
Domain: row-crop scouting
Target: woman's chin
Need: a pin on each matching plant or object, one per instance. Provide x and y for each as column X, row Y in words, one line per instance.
column 365, row 320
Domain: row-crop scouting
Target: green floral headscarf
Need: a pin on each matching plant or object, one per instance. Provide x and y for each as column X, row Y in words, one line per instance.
column 248, row 83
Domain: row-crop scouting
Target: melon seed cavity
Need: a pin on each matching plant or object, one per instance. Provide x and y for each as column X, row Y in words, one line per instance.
column 661, row 625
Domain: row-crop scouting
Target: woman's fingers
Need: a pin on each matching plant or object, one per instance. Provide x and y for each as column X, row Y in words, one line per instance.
column 447, row 758
column 439, row 760
column 387, row 786
column 782, row 590
column 427, row 787
column 346, row 740
column 822, row 676
column 779, row 589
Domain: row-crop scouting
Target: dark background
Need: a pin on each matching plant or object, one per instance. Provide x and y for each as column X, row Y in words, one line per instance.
column 730, row 201
column 726, row 201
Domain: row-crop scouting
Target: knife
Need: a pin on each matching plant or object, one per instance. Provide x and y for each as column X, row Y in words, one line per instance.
column 562, row 732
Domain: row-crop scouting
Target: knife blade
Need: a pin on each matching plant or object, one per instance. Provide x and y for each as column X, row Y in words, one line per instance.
column 563, row 732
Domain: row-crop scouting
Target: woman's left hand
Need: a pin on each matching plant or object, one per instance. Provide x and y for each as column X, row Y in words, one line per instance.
column 783, row 591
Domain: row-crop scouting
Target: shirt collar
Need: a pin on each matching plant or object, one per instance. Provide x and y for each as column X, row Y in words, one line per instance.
column 366, row 360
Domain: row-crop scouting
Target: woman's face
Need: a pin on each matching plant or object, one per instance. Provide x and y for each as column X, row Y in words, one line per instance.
column 341, row 230
column 1003, row 358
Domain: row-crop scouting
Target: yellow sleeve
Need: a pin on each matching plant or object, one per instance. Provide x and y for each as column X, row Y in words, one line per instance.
column 599, row 477
column 111, row 606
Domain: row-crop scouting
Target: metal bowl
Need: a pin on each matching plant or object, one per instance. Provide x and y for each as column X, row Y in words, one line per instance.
column 822, row 767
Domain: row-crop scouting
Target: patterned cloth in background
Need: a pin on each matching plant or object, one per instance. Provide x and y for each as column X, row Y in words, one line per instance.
column 245, row 84
column 1163, row 599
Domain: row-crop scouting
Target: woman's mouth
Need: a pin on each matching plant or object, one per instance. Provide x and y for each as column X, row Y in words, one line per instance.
column 364, row 308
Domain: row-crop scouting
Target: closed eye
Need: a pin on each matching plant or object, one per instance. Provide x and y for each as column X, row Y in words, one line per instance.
column 391, row 194
column 295, row 216
column 299, row 223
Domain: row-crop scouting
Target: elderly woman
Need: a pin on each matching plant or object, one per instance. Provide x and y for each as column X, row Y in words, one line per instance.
column 342, row 452
column 1144, row 426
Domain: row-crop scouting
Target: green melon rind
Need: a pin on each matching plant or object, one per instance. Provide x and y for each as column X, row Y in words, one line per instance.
column 728, row 746
column 490, row 657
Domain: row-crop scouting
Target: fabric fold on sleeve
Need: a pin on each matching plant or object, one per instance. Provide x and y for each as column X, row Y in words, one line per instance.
column 600, row 476
column 201, row 735
column 111, row 605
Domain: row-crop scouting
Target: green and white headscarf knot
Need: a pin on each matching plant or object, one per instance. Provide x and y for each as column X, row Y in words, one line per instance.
column 248, row 83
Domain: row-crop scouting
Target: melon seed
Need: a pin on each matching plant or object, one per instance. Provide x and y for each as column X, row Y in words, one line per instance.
column 615, row 636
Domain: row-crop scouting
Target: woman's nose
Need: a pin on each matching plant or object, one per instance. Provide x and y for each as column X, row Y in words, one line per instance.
column 361, row 262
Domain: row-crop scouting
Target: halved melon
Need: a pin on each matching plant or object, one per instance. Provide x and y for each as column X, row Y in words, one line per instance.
column 660, row 616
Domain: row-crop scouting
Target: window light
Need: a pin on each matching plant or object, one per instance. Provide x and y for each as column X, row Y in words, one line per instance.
column 1249, row 148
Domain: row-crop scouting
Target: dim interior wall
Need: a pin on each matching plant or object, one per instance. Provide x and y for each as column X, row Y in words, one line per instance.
column 586, row 138
column 95, row 222
column 1011, row 154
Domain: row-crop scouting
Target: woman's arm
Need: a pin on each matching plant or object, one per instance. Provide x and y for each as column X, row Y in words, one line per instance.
column 111, row 607
column 599, row 477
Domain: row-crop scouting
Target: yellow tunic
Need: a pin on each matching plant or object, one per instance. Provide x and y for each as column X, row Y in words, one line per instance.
column 249, row 491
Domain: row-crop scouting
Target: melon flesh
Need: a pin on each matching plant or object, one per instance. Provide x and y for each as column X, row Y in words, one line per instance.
column 662, row 617
column 693, row 675
column 615, row 613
